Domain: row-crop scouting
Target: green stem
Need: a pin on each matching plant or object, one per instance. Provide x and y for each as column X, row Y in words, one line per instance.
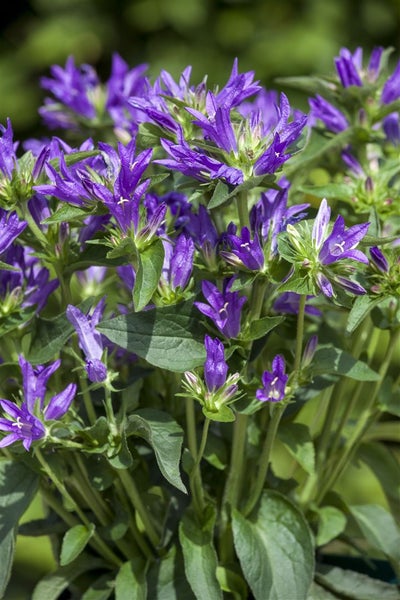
column 265, row 459
column 137, row 503
column 137, row 536
column 195, row 476
column 238, row 457
column 299, row 337
column 243, row 209
column 87, row 400
column 191, row 427
column 96, row 540
column 364, row 422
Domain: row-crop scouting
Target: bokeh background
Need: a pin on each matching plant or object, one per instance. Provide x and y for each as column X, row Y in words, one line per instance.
column 273, row 38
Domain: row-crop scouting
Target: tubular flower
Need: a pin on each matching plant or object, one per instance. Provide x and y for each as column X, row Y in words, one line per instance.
column 224, row 308
column 26, row 423
column 274, row 382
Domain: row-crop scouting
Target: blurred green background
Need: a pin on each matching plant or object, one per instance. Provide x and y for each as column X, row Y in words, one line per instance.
column 290, row 37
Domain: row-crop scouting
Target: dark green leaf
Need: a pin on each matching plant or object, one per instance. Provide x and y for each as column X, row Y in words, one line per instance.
column 148, row 274
column 259, row 327
column 53, row 584
column 328, row 359
column 18, row 485
column 361, row 308
column 232, row 582
column 220, row 195
column 74, row 542
column 355, row 586
column 66, row 213
column 165, row 436
column 130, row 583
column 379, row 529
column 200, row 557
column 386, row 469
column 275, row 549
column 170, row 337
column 166, row 578
column 101, row 589
column 50, row 335
column 297, row 439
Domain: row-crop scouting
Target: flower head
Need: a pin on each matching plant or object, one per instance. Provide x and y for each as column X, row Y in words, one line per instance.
column 224, row 307
column 274, row 382
column 26, row 423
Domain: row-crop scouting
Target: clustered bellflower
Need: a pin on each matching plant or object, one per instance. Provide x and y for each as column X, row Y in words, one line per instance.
column 27, row 422
column 274, row 382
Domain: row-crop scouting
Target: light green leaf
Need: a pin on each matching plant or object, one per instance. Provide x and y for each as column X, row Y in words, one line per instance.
column 148, row 274
column 330, row 190
column 220, row 195
column 18, row 485
column 67, row 212
column 101, row 589
column 130, row 583
column 331, row 524
column 297, row 439
column 170, row 337
column 328, row 359
column 275, row 549
column 232, row 582
column 165, row 436
column 379, row 528
column 74, row 542
column 53, row 584
column 362, row 306
column 355, row 586
column 317, row 592
column 200, row 557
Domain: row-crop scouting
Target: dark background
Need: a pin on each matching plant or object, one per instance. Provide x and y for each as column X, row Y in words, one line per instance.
column 274, row 38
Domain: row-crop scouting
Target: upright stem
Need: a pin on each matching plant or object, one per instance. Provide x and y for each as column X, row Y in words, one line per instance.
column 191, row 427
column 195, row 476
column 243, row 209
column 265, row 458
column 238, row 456
column 299, row 337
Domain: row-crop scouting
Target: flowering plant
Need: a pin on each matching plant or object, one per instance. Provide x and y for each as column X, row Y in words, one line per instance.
column 200, row 321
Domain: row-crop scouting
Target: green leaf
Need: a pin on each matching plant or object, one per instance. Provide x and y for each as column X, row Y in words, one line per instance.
column 362, row 306
column 165, row 436
column 331, row 524
column 275, row 549
column 101, row 589
column 330, row 190
column 386, row 469
column 379, row 528
column 18, row 485
column 297, row 439
column 130, row 583
column 328, row 359
column 319, row 593
column 166, row 578
column 50, row 335
column 148, row 274
column 232, row 582
column 170, row 337
column 74, row 542
column 53, row 584
column 223, row 193
column 66, row 213
column 260, row 327
column 355, row 586
column 200, row 557
column 224, row 415
column 220, row 195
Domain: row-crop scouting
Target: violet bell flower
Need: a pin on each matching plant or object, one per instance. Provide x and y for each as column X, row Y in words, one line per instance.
column 274, row 382
column 244, row 251
column 10, row 228
column 178, row 261
column 89, row 339
column 223, row 308
column 215, row 367
column 25, row 423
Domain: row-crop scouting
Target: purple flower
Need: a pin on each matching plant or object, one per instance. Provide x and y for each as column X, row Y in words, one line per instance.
column 379, row 259
column 244, row 251
column 178, row 261
column 8, row 158
column 215, row 367
column 89, row 339
column 10, row 228
column 274, row 382
column 223, row 308
column 288, row 303
column 23, row 423
column 331, row 116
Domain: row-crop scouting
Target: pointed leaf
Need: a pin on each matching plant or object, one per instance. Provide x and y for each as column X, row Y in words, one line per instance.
column 379, row 528
column 355, row 586
column 297, row 439
column 165, row 436
column 170, row 337
column 199, row 555
column 74, row 542
column 328, row 359
column 331, row 524
column 166, row 578
column 275, row 549
column 148, row 274
column 130, row 583
column 101, row 589
column 53, row 584
column 18, row 485
column 260, row 327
